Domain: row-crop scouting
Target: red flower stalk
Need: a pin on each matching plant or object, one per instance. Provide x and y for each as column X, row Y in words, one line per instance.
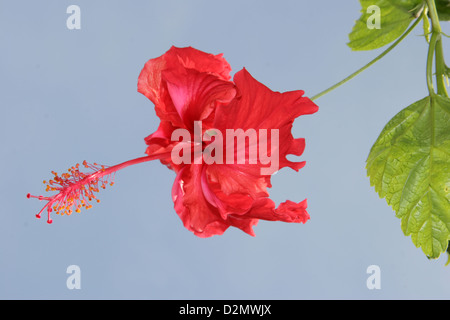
column 215, row 118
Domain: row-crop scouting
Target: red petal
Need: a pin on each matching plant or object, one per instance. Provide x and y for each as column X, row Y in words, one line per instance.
column 160, row 140
column 197, row 214
column 258, row 107
column 149, row 82
column 238, row 179
column 288, row 211
column 191, row 58
column 196, row 95
column 245, row 224
column 230, row 203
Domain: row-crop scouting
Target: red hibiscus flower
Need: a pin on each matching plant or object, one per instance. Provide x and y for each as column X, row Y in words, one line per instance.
column 222, row 138
column 187, row 85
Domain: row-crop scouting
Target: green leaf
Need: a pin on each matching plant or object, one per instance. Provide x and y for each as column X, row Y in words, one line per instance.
column 443, row 9
column 393, row 22
column 409, row 165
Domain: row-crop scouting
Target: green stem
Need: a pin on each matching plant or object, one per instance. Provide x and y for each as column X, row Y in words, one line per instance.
column 441, row 68
column 431, row 48
column 385, row 52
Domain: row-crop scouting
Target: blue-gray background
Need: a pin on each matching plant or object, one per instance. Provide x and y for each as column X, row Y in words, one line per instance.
column 70, row 95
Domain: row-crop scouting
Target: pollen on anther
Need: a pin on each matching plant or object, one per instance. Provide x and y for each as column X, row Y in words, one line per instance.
column 75, row 189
